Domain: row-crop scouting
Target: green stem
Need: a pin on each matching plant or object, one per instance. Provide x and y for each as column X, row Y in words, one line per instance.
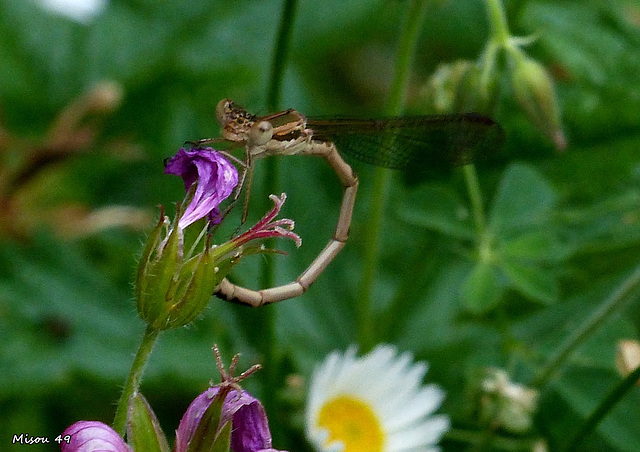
column 475, row 197
column 616, row 394
column 281, row 51
column 371, row 236
column 488, row 65
column 283, row 42
column 500, row 37
column 613, row 303
column 135, row 377
column 497, row 22
column 267, row 331
column 408, row 40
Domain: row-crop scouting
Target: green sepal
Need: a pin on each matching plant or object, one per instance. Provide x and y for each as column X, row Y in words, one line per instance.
column 195, row 284
column 475, row 93
column 223, row 441
column 209, row 436
column 159, row 277
column 143, row 429
column 172, row 292
column 150, row 248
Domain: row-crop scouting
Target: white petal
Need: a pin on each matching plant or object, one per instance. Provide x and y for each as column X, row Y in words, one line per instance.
column 423, row 435
column 423, row 403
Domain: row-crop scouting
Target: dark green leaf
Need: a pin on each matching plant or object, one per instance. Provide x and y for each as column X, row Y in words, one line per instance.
column 532, row 280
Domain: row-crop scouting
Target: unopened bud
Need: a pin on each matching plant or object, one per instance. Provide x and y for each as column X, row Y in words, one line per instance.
column 442, row 88
column 172, row 290
column 533, row 89
column 458, row 87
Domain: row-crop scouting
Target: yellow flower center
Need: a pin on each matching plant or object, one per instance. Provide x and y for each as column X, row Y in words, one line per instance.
column 352, row 422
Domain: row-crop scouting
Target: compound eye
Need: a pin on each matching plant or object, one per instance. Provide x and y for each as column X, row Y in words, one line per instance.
column 260, row 133
column 223, row 109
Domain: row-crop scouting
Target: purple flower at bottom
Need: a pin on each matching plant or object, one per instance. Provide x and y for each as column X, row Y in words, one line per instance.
column 92, row 436
column 249, row 424
column 216, row 178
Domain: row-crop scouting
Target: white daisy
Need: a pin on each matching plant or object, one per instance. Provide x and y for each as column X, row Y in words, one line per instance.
column 375, row 403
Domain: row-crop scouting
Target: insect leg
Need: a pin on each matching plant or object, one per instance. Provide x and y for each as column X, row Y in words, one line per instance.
column 231, row 292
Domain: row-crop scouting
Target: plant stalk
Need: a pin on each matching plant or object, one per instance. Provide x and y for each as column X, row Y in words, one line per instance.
column 416, row 11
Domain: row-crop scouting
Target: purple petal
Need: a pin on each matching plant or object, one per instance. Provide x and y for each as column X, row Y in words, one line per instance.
column 216, row 178
column 92, row 436
column 250, row 425
column 249, row 429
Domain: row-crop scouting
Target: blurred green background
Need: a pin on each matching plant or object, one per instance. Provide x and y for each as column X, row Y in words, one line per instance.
column 68, row 325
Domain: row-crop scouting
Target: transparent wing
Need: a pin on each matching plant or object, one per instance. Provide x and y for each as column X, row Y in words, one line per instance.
column 420, row 142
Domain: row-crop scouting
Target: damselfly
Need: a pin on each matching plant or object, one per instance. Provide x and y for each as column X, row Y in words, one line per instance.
column 426, row 142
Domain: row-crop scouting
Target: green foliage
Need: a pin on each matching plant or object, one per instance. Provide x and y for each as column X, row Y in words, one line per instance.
column 562, row 230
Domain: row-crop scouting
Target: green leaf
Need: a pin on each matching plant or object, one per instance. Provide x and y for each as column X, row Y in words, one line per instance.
column 438, row 208
column 481, row 291
column 143, row 429
column 536, row 282
column 524, row 198
column 539, row 245
column 611, row 223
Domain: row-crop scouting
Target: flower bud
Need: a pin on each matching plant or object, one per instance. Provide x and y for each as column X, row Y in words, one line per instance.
column 92, row 435
column 170, row 291
column 239, row 410
column 458, row 87
column 533, row 90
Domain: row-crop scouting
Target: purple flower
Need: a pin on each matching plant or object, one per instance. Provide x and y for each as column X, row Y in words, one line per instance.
column 249, row 425
column 92, row 436
column 215, row 176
